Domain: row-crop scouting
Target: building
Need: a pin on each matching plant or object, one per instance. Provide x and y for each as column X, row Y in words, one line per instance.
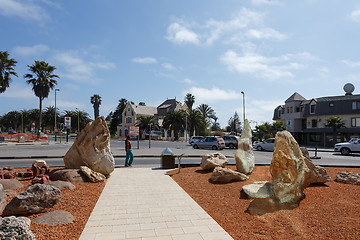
column 132, row 112
column 306, row 119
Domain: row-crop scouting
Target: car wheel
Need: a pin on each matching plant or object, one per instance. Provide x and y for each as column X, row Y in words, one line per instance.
column 214, row 147
column 345, row 151
column 195, row 146
column 231, row 145
column 259, row 148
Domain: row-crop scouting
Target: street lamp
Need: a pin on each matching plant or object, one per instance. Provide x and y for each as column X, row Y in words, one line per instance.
column 55, row 128
column 243, row 105
column 78, row 114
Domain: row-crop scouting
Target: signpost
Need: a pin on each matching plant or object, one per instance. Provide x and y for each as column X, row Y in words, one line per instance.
column 134, row 131
column 68, row 122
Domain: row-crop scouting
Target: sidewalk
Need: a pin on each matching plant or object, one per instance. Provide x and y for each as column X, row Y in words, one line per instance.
column 144, row 203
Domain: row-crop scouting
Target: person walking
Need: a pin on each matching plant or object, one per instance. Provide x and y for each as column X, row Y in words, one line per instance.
column 129, row 155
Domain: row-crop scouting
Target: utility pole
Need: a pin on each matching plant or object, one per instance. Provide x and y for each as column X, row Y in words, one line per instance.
column 55, row 128
column 243, row 105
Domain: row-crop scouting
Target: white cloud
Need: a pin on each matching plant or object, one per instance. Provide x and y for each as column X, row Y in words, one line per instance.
column 145, row 60
column 168, row 66
column 351, row 63
column 260, row 111
column 31, row 51
column 213, row 95
column 179, row 34
column 188, row 81
column 267, row 2
column 18, row 91
column 261, row 66
column 103, row 65
column 265, row 33
column 27, row 10
column 355, row 15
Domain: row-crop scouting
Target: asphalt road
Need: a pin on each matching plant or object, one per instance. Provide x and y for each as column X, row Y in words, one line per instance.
column 22, row 155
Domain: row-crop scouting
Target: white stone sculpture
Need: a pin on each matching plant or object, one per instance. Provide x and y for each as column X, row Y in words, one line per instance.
column 244, row 156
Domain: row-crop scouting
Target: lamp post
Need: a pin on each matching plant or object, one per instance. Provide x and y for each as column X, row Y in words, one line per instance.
column 55, row 114
column 243, row 105
column 78, row 115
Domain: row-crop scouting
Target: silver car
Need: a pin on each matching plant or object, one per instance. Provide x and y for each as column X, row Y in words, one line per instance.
column 195, row 139
column 211, row 142
column 268, row 145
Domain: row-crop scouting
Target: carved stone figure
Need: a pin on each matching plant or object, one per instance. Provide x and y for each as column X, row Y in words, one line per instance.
column 244, row 156
column 92, row 148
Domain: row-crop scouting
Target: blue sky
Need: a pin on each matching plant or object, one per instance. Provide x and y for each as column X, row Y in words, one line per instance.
column 148, row 51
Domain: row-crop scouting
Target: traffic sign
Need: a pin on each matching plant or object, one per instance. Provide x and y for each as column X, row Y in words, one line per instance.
column 68, row 122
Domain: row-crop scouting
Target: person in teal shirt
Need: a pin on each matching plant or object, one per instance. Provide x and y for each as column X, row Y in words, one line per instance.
column 129, row 154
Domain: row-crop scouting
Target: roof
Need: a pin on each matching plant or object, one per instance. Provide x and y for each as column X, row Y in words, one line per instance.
column 144, row 110
column 295, row 97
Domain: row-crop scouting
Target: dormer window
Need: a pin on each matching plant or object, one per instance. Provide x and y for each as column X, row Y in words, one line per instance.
column 312, row 108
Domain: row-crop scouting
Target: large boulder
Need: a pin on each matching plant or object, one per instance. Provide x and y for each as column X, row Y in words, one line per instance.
column 68, row 175
column 35, row 199
column 11, row 184
column 62, row 185
column 54, row 218
column 211, row 160
column 92, row 175
column 317, row 174
column 2, row 198
column 290, row 175
column 244, row 156
column 348, row 177
column 226, row 175
column 13, row 228
column 92, row 148
column 260, row 189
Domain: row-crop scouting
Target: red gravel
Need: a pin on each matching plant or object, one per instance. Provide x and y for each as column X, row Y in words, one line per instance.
column 330, row 211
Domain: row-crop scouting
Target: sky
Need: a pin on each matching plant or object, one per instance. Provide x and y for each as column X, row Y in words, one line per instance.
column 150, row 51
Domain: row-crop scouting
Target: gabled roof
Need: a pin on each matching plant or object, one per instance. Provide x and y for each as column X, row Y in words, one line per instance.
column 144, row 110
column 295, row 97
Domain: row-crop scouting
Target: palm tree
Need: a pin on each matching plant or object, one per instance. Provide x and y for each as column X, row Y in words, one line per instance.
column 96, row 102
column 335, row 123
column 189, row 100
column 196, row 122
column 79, row 119
column 144, row 123
column 49, row 117
column 42, row 79
column 207, row 112
column 175, row 121
column 6, row 70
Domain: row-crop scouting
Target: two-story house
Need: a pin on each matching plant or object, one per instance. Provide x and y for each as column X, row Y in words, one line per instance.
column 306, row 119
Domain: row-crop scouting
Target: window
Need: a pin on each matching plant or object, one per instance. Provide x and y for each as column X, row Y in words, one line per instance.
column 291, row 109
column 312, row 109
column 297, row 109
column 355, row 122
column 314, row 123
column 301, row 109
column 355, row 105
column 128, row 120
column 287, row 110
column 331, row 104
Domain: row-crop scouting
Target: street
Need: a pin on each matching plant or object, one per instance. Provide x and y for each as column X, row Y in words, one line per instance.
column 22, row 155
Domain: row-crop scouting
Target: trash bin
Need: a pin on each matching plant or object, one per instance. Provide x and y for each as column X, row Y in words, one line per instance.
column 167, row 159
column 2, row 139
column 21, row 139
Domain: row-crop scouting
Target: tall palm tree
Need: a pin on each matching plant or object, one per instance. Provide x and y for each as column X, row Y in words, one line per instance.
column 6, row 70
column 207, row 112
column 189, row 100
column 96, row 102
column 42, row 78
column 335, row 123
column 175, row 121
column 196, row 122
column 49, row 117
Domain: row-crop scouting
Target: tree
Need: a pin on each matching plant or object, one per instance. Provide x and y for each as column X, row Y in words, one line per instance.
column 207, row 112
column 96, row 102
column 6, row 70
column 233, row 123
column 277, row 126
column 196, row 122
column 175, row 121
column 215, row 126
column 189, row 100
column 78, row 117
column 144, row 123
column 49, row 117
column 335, row 123
column 116, row 117
column 42, row 78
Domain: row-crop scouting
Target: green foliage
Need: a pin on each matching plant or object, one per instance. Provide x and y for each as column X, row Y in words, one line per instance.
column 116, row 117
column 6, row 70
column 268, row 130
column 96, row 102
column 232, row 123
column 196, row 122
column 175, row 121
column 189, row 100
column 335, row 123
column 144, row 123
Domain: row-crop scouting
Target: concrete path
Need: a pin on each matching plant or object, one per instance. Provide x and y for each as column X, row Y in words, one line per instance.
column 144, row 203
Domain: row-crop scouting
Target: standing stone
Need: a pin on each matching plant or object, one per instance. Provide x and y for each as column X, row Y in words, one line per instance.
column 289, row 172
column 244, row 156
column 35, row 199
column 92, row 148
column 13, row 228
column 211, row 160
column 226, row 175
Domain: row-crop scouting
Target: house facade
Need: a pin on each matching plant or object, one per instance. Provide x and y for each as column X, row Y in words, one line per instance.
column 306, row 119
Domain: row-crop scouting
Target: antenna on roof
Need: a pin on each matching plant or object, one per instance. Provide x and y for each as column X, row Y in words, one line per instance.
column 349, row 88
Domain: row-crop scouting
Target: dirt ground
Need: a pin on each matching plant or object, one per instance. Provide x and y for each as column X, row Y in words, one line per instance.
column 329, row 211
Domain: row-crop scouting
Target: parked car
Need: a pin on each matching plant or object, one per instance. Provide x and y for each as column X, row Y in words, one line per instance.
column 348, row 147
column 12, row 132
column 195, row 139
column 231, row 141
column 268, row 145
column 214, row 143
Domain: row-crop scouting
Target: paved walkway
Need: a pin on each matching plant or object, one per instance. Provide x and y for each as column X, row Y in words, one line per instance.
column 144, row 203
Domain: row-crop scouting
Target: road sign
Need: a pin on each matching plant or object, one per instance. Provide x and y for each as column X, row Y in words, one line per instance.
column 68, row 122
column 134, row 131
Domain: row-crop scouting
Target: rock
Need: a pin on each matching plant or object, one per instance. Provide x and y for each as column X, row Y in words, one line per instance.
column 290, row 175
column 348, row 177
column 92, row 148
column 317, row 174
column 92, row 175
column 11, row 184
column 41, row 163
column 68, row 175
column 244, row 156
column 225, row 175
column 40, row 169
column 260, row 189
column 13, row 228
column 2, row 198
column 40, row 179
column 62, row 185
column 27, row 174
column 35, row 199
column 54, row 218
column 6, row 174
column 211, row 160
